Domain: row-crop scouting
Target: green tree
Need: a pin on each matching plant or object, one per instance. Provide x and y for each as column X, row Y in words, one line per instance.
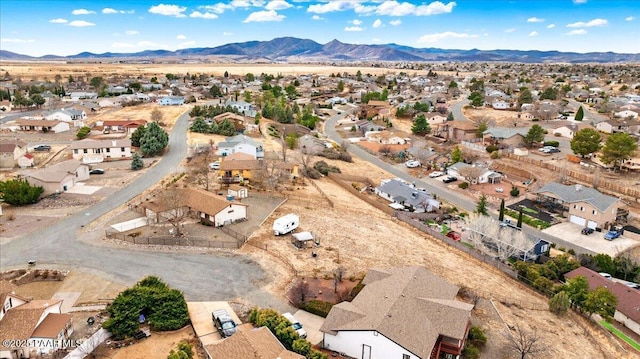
column 535, row 134
column 525, row 96
column 215, row 91
column 226, row 74
column 199, row 126
column 154, row 140
column 580, row 114
column 136, row 86
column 226, row 128
column 577, row 288
column 586, row 142
column 249, row 77
column 477, row 336
column 602, row 302
column 481, row 207
column 450, row 116
column 18, row 192
column 456, row 155
column 136, row 162
column 560, row 303
column 358, row 76
column 137, row 135
column 247, row 96
column 37, row 99
column 453, row 84
column 501, row 215
column 619, row 147
column 340, row 87
column 519, row 224
column 476, row 99
column 549, row 93
column 420, row 126
column 482, row 126
column 185, row 351
column 83, row 132
column 291, row 140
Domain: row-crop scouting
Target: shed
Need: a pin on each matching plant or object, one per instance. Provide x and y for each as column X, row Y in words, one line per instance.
column 303, row 240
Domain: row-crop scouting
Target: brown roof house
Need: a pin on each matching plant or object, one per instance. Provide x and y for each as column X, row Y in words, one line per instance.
column 10, row 152
column 250, row 344
column 460, row 130
column 628, row 308
column 39, row 320
column 59, row 177
column 400, row 313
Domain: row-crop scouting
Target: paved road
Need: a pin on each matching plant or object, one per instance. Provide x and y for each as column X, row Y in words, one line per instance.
column 436, row 186
column 200, row 276
column 589, row 114
column 456, row 109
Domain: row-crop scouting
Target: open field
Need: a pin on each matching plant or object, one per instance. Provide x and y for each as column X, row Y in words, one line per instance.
column 48, row 70
column 143, row 112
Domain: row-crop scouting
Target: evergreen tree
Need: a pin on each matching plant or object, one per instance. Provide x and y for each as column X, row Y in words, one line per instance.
column 226, row 128
column 560, row 303
column 19, row 192
column 154, row 140
column 579, row 114
column 586, row 141
column 199, row 126
column 420, row 126
column 519, row 224
column 456, row 155
column 501, row 216
column 535, row 134
column 137, row 135
column 481, row 208
column 525, row 96
column 450, row 116
column 136, row 162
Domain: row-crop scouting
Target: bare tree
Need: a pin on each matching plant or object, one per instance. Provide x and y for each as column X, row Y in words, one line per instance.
column 175, row 211
column 156, row 116
column 486, row 234
column 271, row 174
column 306, row 157
column 299, row 292
column 472, row 173
column 524, row 343
column 546, row 111
column 201, row 175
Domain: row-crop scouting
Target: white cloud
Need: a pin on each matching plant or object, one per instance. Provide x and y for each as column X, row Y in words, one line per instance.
column 122, row 45
column 17, row 41
column 82, row 12
column 181, row 37
column 186, row 44
column 131, row 32
column 394, row 8
column 203, row 15
column 577, row 32
column 168, row 10
column 535, row 19
column 629, row 18
column 377, row 23
column 375, row 39
column 395, row 22
column 332, row 6
column 592, row 23
column 81, row 23
column 353, row 28
column 278, row 5
column 264, row 16
column 533, row 33
column 551, row 26
column 59, row 21
column 218, row 8
column 444, row 35
column 579, row 1
column 510, row 30
column 316, row 17
column 225, row 33
column 109, row 10
column 356, row 22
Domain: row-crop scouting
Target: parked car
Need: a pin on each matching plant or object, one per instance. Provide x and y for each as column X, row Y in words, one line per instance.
column 435, row 174
column 611, row 235
column 454, row 235
column 499, row 189
column 412, row 164
column 295, row 324
column 587, row 231
column 96, row 171
column 449, row 179
column 42, row 148
column 223, row 322
column 214, row 165
column 606, row 275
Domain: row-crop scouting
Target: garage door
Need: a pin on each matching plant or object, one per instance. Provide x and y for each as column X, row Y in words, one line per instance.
column 577, row 220
column 592, row 224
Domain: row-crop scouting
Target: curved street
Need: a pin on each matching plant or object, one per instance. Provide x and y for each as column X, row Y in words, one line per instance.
column 201, row 276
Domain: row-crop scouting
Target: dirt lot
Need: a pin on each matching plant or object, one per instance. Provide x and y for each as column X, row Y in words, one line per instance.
column 143, row 112
column 158, row 345
column 495, row 117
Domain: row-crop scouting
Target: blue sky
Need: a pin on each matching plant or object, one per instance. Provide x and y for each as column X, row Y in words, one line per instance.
column 68, row 27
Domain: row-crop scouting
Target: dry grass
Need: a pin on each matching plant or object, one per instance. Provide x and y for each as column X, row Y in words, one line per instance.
column 143, row 112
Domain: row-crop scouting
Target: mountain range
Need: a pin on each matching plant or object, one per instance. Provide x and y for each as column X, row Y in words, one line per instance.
column 291, row 49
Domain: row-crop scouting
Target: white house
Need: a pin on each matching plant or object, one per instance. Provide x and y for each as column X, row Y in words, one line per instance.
column 566, row 131
column 406, row 196
column 386, row 137
column 481, row 175
column 52, row 126
column 243, row 108
column 500, row 105
column 11, row 151
column 76, row 117
column 171, row 101
column 626, row 114
column 59, row 177
column 25, row 161
column 83, row 95
column 242, row 144
column 94, row 151
column 404, row 313
column 109, row 102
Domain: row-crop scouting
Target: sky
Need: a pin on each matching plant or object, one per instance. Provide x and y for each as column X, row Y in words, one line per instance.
column 62, row 27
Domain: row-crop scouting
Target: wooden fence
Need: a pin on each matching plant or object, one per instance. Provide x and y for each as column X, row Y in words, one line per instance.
column 189, row 241
column 324, row 195
column 274, row 253
column 341, row 180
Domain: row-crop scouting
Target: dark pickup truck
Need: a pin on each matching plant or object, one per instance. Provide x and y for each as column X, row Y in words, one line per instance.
column 223, row 322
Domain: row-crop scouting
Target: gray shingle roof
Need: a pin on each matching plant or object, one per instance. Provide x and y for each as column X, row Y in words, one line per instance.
column 410, row 306
column 88, row 143
column 404, row 193
column 573, row 194
column 500, row 132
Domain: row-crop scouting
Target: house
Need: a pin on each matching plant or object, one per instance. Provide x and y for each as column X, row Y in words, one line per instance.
column 243, row 108
column 500, row 105
column 475, row 176
column 458, row 131
column 387, row 137
column 171, row 101
column 109, row 102
column 59, row 177
column 10, row 152
column 583, row 205
column 52, row 126
column 400, row 313
column 258, row 343
column 71, row 115
column 241, row 143
column 238, row 167
column 206, row 206
column 504, row 136
column 629, row 126
column 626, row 114
column 239, row 122
column 125, row 126
column 628, row 308
column 83, row 95
column 25, row 161
column 525, row 115
column 406, row 196
column 566, row 131
column 95, row 151
column 39, row 323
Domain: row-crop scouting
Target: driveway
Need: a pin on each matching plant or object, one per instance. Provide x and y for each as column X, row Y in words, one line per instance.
column 200, row 276
column 594, row 242
column 311, row 324
column 202, row 322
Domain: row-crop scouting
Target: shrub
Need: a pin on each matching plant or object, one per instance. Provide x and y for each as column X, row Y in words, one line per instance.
column 515, row 191
column 464, row 185
column 19, row 192
column 560, row 303
column 495, row 155
column 83, row 132
column 477, row 337
column 491, row 148
column 551, row 143
column 470, row 352
column 324, row 168
column 317, row 307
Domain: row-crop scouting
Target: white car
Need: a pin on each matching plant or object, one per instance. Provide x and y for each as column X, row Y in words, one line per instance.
column 412, row 163
column 436, row 174
column 214, row 165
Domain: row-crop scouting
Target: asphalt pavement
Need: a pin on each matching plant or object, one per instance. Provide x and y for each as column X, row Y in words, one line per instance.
column 210, row 276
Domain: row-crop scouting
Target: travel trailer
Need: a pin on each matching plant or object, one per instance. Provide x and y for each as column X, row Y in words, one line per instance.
column 286, row 224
